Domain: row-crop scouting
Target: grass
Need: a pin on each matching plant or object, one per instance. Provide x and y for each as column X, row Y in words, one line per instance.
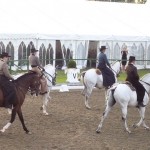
column 62, row 77
column 141, row 73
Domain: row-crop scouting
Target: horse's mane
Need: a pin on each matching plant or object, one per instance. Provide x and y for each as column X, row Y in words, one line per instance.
column 114, row 62
column 146, row 76
column 25, row 75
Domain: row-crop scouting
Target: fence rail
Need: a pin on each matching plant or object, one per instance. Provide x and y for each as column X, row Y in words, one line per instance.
column 24, row 63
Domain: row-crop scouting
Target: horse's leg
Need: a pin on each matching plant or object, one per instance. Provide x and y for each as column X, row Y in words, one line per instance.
column 105, row 113
column 45, row 98
column 106, row 96
column 109, row 105
column 87, row 95
column 142, row 120
column 13, row 115
column 9, row 111
column 19, row 112
column 124, row 118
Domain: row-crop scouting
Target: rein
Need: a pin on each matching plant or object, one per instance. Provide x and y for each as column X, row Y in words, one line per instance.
column 147, row 84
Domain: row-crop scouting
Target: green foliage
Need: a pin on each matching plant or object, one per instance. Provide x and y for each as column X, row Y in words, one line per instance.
column 62, row 77
column 71, row 64
column 141, row 73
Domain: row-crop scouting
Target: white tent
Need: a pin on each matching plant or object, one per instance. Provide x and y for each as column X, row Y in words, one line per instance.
column 75, row 23
column 78, row 19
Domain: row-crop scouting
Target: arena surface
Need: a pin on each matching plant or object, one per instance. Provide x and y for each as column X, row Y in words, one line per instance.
column 70, row 126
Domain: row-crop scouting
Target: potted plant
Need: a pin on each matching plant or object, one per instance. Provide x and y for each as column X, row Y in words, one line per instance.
column 71, row 64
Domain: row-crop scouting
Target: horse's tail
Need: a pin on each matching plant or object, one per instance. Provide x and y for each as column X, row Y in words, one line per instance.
column 111, row 96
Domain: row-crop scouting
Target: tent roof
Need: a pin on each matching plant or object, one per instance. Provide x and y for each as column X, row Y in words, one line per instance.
column 78, row 19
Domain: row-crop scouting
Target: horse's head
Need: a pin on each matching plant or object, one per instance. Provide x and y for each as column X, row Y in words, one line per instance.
column 145, row 80
column 116, row 68
column 50, row 73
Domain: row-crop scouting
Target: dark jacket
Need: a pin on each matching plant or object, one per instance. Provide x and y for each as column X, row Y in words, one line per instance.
column 103, row 61
column 133, row 77
column 104, row 66
column 132, row 74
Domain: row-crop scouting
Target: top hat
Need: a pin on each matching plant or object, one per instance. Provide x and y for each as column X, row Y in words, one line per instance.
column 4, row 54
column 103, row 48
column 131, row 58
column 33, row 50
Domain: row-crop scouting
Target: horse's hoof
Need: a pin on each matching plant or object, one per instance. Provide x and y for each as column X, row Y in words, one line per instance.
column 41, row 108
column 146, row 128
column 46, row 114
column 134, row 126
column 128, row 131
column 88, row 107
column 1, row 131
column 98, row 131
column 29, row 133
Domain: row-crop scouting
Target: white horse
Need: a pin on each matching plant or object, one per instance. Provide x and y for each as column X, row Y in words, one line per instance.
column 50, row 74
column 125, row 96
column 92, row 79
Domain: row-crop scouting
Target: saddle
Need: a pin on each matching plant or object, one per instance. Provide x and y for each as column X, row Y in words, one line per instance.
column 130, row 85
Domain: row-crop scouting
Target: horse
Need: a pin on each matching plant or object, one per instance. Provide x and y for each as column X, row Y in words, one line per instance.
column 91, row 78
column 22, row 84
column 125, row 96
column 50, row 75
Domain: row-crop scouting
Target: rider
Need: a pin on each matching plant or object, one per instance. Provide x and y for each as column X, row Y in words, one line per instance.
column 6, row 85
column 104, row 66
column 133, row 78
column 37, row 67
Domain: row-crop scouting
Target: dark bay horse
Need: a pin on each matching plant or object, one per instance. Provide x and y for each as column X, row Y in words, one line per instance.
column 22, row 85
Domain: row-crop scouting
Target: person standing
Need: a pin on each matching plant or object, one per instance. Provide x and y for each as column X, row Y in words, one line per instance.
column 124, row 54
column 38, row 68
column 133, row 78
column 7, row 86
column 104, row 66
